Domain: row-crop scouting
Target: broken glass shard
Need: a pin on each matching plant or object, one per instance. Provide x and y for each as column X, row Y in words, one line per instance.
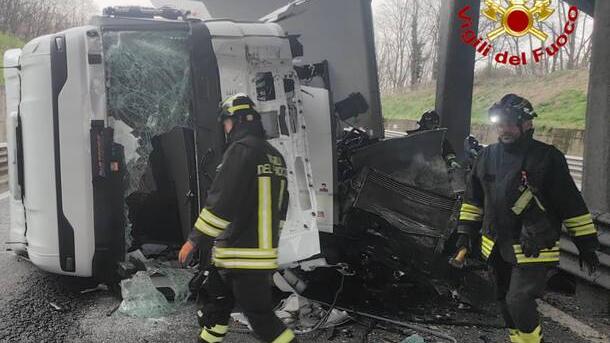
column 142, row 299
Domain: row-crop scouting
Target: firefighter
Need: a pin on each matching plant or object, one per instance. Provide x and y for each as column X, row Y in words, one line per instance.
column 241, row 223
column 519, row 194
column 431, row 120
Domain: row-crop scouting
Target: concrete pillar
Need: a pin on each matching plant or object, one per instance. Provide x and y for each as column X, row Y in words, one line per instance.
column 456, row 71
column 596, row 182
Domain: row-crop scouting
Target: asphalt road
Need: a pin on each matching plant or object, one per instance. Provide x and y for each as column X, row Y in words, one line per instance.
column 26, row 315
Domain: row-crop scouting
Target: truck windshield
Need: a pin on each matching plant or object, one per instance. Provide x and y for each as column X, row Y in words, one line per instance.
column 148, row 87
column 149, row 91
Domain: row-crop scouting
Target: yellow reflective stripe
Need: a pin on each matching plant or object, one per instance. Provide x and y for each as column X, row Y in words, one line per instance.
column 543, row 258
column 238, row 107
column 246, row 264
column 286, row 337
column 519, row 250
column 470, row 213
column 521, row 203
column 220, row 329
column 578, row 221
column 470, row 217
column 264, row 213
column 580, row 226
column 471, row 208
column 282, row 187
column 208, row 337
column 213, row 219
column 206, row 228
column 245, row 253
column 583, row 231
column 487, row 246
column 534, row 337
column 230, row 99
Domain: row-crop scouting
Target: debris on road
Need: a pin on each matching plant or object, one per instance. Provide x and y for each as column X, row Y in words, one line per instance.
column 148, row 293
column 141, row 298
column 303, row 315
column 414, row 339
column 57, row 307
column 100, row 287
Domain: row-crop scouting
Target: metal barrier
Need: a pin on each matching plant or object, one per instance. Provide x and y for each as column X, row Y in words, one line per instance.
column 575, row 163
column 569, row 254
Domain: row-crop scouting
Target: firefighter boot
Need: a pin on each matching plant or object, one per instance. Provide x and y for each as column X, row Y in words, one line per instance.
column 513, row 334
column 214, row 334
column 532, row 337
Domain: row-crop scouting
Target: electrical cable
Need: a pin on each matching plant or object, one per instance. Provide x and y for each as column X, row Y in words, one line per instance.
column 330, row 310
column 411, row 326
column 319, row 323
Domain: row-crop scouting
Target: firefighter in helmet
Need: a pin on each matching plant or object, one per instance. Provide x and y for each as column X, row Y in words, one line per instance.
column 519, row 195
column 431, row 120
column 240, row 226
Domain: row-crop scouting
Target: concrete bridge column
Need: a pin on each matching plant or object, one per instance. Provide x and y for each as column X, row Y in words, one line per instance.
column 596, row 182
column 456, row 71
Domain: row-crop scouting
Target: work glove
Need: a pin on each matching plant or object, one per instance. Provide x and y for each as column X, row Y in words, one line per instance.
column 463, row 241
column 186, row 252
column 587, row 247
column 590, row 260
column 529, row 247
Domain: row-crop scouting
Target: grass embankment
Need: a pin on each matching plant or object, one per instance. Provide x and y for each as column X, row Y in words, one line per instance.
column 559, row 98
column 7, row 41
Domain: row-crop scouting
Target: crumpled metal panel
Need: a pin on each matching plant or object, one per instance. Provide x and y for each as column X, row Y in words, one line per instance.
column 414, row 160
column 413, row 224
column 402, row 206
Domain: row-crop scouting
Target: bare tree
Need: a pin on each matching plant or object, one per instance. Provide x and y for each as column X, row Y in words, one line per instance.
column 31, row 18
column 407, row 42
column 417, row 46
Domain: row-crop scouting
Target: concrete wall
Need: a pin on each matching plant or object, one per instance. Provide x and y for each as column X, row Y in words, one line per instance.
column 2, row 115
column 570, row 141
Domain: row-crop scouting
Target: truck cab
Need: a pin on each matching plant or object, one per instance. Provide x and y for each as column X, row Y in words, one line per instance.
column 113, row 136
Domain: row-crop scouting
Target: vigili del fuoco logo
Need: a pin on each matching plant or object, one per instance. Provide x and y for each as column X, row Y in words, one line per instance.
column 516, row 18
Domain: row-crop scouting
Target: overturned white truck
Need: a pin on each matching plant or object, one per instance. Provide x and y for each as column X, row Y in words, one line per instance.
column 113, row 142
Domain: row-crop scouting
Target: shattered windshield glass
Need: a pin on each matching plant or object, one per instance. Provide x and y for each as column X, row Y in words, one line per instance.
column 148, row 88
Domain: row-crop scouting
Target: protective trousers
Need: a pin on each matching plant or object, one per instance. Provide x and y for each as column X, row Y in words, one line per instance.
column 517, row 288
column 251, row 292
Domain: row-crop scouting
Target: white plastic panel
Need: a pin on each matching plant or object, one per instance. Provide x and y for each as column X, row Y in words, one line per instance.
column 319, row 135
column 267, row 51
column 37, row 120
column 75, row 112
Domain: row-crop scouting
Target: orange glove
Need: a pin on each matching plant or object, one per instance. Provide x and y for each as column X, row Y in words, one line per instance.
column 185, row 252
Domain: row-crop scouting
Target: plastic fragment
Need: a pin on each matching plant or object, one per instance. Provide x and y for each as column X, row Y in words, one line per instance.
column 100, row 287
column 414, row 339
column 57, row 307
